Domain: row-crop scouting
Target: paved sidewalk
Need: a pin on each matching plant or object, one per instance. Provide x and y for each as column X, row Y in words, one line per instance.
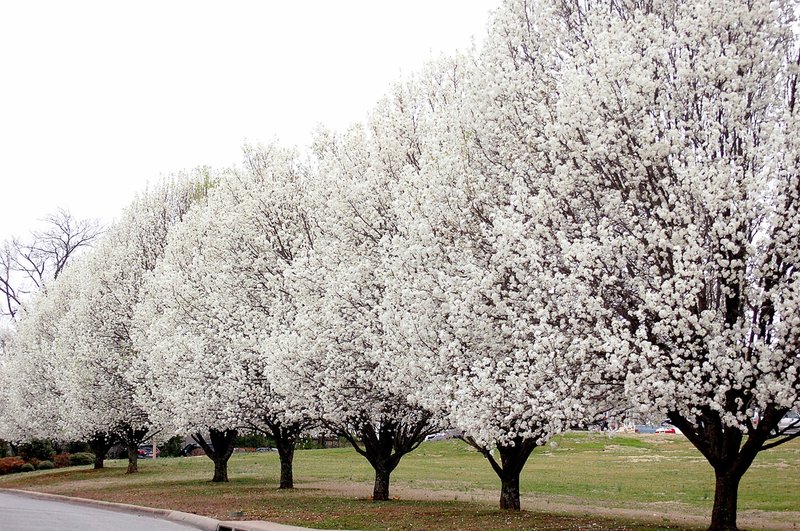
column 195, row 520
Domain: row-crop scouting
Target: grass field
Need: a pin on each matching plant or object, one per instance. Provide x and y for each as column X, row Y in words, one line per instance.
column 579, row 481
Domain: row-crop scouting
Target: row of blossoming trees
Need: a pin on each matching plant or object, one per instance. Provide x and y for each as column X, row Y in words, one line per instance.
column 598, row 209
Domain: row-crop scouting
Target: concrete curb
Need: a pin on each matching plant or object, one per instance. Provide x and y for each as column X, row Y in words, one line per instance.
column 257, row 525
column 195, row 520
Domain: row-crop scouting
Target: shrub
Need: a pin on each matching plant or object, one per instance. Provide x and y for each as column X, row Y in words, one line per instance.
column 252, row 439
column 45, row 465
column 309, row 443
column 173, row 447
column 3, row 448
column 9, row 465
column 41, row 449
column 81, row 458
column 74, row 447
column 27, row 467
column 61, row 460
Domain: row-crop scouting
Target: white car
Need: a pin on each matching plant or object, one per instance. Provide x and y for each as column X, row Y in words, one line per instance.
column 790, row 423
column 443, row 435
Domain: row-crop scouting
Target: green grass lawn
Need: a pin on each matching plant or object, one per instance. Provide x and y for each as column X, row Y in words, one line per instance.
column 580, row 480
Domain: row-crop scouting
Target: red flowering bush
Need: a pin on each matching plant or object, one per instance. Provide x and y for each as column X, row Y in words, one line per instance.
column 61, row 460
column 9, row 465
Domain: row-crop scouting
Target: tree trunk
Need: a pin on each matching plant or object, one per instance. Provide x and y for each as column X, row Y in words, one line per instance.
column 133, row 457
column 380, row 491
column 509, row 492
column 286, row 455
column 726, row 493
column 132, row 438
column 285, row 437
column 219, row 451
column 513, row 457
column 220, row 470
column 100, row 444
column 723, row 449
column 384, row 444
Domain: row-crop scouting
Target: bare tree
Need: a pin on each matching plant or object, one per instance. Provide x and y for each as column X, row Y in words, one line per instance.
column 28, row 265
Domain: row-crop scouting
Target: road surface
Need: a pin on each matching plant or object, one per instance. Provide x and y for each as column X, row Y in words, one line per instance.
column 21, row 513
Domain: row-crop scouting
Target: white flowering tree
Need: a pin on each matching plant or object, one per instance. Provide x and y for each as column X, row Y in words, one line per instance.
column 38, row 387
column 28, row 265
column 213, row 302
column 492, row 335
column 104, row 371
column 338, row 351
column 34, row 405
column 669, row 157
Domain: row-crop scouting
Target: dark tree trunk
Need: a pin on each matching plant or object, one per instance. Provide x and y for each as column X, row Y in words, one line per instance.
column 220, row 470
column 509, row 492
column 286, row 455
column 133, row 457
column 730, row 451
column 219, row 451
column 384, row 445
column 726, row 493
column 100, row 444
column 132, row 438
column 513, row 457
column 380, row 491
column 285, row 437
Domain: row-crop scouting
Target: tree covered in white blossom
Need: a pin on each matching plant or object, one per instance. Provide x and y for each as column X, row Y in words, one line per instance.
column 28, row 266
column 38, row 367
column 104, row 368
column 338, row 354
column 491, row 337
column 215, row 299
column 33, row 365
column 668, row 157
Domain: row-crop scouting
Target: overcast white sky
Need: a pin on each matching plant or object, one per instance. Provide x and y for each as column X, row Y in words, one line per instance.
column 99, row 97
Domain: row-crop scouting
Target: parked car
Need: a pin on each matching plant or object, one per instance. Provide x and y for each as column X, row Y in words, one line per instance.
column 790, row 423
column 644, row 428
column 146, row 450
column 666, row 427
column 443, row 435
column 266, row 449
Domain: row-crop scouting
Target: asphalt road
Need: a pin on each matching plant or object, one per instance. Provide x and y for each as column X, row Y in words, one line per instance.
column 20, row 513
